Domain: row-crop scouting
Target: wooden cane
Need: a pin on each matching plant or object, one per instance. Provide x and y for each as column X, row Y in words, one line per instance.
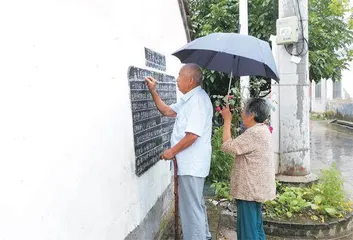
column 176, row 200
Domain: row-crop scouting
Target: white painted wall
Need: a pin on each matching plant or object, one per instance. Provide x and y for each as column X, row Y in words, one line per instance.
column 318, row 104
column 66, row 142
column 329, row 90
column 347, row 80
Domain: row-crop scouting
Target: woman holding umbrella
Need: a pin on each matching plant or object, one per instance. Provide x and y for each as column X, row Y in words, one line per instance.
column 253, row 171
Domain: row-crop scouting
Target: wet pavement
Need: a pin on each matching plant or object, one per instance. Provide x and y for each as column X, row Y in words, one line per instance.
column 330, row 145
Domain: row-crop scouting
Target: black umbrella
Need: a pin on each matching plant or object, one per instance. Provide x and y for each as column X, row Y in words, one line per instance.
column 232, row 53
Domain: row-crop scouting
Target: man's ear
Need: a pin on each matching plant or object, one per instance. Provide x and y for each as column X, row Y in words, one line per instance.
column 191, row 80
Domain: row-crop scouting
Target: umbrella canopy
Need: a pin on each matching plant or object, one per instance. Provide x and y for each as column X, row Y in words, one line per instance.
column 232, row 53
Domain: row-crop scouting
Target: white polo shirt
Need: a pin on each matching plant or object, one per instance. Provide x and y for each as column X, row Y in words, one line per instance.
column 194, row 114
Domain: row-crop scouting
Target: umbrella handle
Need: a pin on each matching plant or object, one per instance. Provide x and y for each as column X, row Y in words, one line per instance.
column 230, row 83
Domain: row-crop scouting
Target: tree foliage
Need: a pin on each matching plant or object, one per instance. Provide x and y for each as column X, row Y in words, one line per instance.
column 330, row 38
column 210, row 16
column 330, row 31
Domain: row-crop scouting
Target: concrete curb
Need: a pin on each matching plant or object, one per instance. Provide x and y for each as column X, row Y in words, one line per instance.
column 341, row 126
column 335, row 229
column 338, row 229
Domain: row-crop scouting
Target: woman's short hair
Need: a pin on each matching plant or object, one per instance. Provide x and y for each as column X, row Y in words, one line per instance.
column 259, row 107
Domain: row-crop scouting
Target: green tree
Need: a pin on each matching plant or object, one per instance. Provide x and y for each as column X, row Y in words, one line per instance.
column 210, row 16
column 330, row 32
column 330, row 38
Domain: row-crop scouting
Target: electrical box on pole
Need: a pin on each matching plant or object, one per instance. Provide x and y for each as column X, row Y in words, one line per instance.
column 287, row 30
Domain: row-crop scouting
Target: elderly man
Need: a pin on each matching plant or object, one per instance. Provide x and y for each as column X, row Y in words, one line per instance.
column 191, row 145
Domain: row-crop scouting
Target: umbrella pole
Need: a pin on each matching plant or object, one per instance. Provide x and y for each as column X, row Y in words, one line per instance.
column 176, row 200
column 230, row 83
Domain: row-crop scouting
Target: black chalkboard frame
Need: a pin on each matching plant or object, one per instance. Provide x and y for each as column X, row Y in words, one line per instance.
column 151, row 130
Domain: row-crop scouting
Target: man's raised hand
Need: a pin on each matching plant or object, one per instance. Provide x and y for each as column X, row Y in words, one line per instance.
column 151, row 83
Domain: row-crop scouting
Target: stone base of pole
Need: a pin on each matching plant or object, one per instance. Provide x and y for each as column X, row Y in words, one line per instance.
column 307, row 179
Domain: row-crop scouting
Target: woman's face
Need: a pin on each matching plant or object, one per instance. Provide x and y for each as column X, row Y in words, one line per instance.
column 248, row 120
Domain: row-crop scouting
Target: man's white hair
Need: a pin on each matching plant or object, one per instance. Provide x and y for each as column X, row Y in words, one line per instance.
column 195, row 72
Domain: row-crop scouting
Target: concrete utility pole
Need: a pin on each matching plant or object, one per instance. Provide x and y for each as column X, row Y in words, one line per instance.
column 293, row 94
column 243, row 21
column 273, row 97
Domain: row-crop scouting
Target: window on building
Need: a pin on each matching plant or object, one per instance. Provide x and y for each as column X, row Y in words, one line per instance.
column 337, row 93
column 318, row 90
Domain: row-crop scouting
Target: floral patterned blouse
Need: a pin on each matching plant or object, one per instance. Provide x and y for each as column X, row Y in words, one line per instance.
column 253, row 170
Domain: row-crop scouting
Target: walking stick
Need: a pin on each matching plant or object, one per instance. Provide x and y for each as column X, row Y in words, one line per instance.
column 176, row 200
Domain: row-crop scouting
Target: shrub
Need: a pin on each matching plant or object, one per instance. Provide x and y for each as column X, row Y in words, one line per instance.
column 319, row 202
column 222, row 189
column 221, row 163
column 330, row 114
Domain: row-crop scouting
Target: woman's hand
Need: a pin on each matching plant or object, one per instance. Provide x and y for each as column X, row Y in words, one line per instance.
column 226, row 114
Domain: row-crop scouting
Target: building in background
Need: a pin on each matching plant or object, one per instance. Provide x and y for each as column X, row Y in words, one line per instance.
column 337, row 97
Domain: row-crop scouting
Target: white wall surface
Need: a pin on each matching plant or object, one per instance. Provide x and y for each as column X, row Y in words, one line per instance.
column 319, row 103
column 66, row 140
column 329, row 90
column 347, row 80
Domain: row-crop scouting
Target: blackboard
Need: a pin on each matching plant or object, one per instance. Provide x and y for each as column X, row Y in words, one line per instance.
column 155, row 60
column 151, row 130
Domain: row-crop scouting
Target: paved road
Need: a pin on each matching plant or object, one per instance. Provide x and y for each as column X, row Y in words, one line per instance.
column 328, row 146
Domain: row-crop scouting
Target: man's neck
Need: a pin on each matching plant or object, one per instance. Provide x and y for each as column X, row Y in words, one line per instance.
column 192, row 88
